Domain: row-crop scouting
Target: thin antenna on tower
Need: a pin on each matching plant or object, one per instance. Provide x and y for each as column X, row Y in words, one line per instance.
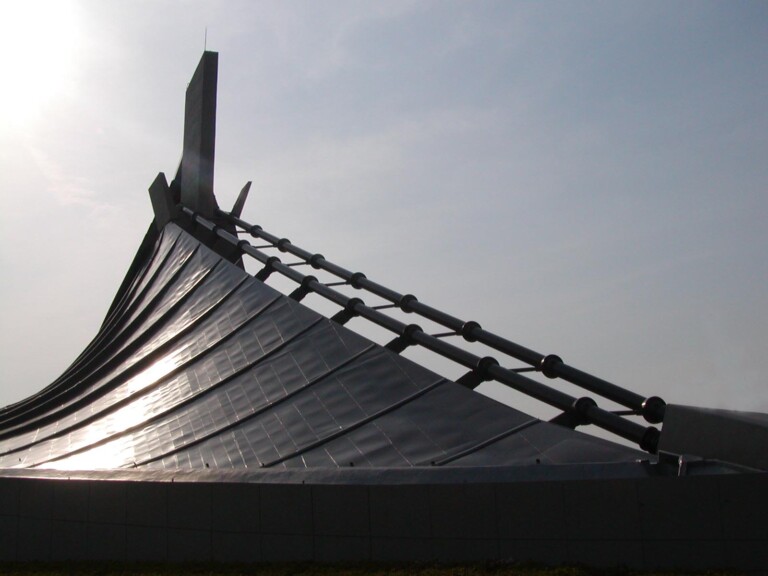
column 205, row 42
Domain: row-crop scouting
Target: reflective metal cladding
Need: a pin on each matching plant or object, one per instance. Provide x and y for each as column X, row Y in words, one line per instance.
column 203, row 366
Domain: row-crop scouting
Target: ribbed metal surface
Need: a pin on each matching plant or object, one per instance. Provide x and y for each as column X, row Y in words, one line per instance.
column 203, row 366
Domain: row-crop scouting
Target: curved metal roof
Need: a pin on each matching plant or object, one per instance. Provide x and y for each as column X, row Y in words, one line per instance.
column 201, row 366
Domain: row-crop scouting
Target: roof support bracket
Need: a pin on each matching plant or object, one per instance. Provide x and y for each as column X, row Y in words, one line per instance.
column 162, row 201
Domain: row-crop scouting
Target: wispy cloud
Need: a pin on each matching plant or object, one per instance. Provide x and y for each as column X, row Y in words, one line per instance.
column 69, row 189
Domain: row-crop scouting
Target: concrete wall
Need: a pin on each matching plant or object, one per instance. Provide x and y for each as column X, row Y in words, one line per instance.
column 700, row 522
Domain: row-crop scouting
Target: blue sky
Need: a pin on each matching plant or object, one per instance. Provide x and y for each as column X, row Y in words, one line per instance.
column 585, row 178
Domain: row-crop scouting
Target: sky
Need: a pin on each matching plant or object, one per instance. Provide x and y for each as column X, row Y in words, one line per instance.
column 588, row 179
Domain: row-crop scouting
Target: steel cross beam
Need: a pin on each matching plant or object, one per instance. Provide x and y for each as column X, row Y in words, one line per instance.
column 581, row 410
column 552, row 366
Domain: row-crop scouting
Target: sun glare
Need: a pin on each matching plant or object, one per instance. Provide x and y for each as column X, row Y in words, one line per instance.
column 119, row 451
column 37, row 49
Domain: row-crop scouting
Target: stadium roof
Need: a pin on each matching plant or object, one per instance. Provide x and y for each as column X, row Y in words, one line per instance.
column 200, row 365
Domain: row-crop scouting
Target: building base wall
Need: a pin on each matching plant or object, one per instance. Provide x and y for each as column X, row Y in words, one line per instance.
column 692, row 523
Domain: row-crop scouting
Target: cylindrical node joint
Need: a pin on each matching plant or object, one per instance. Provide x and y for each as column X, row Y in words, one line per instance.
column 305, row 283
column 581, row 408
column 482, row 369
column 468, row 330
column 348, row 312
column 354, row 280
column 653, row 409
column 303, row 289
column 349, row 307
column 282, row 243
column 315, row 259
column 409, row 331
column 548, row 365
column 351, row 304
column 406, row 302
column 269, row 267
column 405, row 339
column 650, row 440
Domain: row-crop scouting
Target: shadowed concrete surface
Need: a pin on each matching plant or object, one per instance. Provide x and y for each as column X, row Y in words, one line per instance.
column 694, row 523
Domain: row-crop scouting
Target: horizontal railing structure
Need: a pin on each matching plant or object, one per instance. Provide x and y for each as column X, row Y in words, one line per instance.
column 575, row 411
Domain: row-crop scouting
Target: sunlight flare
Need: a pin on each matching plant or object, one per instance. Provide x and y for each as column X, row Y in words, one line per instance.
column 38, row 45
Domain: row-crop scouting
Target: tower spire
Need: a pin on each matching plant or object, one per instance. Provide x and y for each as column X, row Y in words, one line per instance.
column 200, row 138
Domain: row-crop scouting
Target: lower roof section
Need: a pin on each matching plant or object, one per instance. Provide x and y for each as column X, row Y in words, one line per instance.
column 202, row 367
